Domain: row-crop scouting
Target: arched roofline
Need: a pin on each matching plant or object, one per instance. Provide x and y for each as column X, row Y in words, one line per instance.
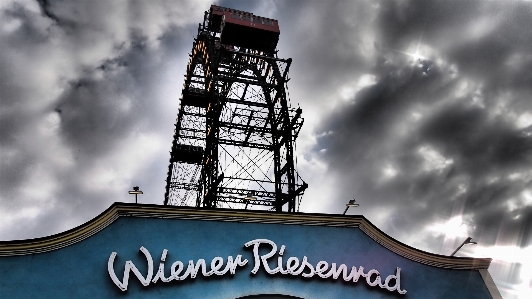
column 116, row 210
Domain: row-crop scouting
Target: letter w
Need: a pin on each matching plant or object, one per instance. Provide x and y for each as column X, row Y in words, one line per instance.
column 130, row 267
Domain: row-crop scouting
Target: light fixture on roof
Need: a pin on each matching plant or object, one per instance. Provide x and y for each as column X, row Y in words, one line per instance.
column 136, row 191
column 351, row 203
column 469, row 240
column 249, row 198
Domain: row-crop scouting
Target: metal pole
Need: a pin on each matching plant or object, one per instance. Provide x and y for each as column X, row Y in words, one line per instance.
column 467, row 241
column 456, row 250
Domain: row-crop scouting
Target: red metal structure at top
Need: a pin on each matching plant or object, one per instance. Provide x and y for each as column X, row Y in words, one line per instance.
column 244, row 29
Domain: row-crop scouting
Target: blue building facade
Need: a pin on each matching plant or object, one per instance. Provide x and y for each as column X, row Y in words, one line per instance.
column 149, row 251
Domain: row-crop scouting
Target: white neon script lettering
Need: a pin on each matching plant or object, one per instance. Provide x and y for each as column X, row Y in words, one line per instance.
column 293, row 266
column 177, row 267
column 306, row 269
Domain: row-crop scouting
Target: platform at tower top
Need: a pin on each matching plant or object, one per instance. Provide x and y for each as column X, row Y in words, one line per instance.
column 243, row 29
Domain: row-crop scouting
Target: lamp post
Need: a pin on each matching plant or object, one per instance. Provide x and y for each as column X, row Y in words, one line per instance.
column 351, row 203
column 136, row 191
column 248, row 198
column 467, row 241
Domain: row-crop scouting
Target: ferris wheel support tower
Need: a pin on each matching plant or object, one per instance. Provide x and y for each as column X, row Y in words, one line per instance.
column 235, row 131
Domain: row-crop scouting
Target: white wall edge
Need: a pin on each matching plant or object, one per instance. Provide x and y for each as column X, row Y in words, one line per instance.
column 488, row 280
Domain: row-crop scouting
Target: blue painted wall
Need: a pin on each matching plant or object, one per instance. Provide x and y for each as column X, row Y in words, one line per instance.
column 80, row 270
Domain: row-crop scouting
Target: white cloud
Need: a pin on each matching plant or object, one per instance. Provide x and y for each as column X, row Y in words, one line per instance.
column 434, row 161
column 524, row 120
column 452, row 228
column 350, row 89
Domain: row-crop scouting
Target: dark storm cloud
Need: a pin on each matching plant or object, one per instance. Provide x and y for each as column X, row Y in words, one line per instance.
column 89, row 95
column 328, row 41
column 363, row 135
column 102, row 113
column 446, row 123
column 487, row 39
column 47, row 10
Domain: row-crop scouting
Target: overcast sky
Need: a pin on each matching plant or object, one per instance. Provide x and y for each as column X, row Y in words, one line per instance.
column 421, row 110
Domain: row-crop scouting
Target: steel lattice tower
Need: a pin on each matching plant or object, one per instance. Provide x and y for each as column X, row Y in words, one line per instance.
column 235, row 130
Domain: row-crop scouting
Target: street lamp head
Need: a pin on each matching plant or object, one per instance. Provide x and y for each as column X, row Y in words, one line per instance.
column 136, row 190
column 250, row 196
column 352, row 203
column 469, row 240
